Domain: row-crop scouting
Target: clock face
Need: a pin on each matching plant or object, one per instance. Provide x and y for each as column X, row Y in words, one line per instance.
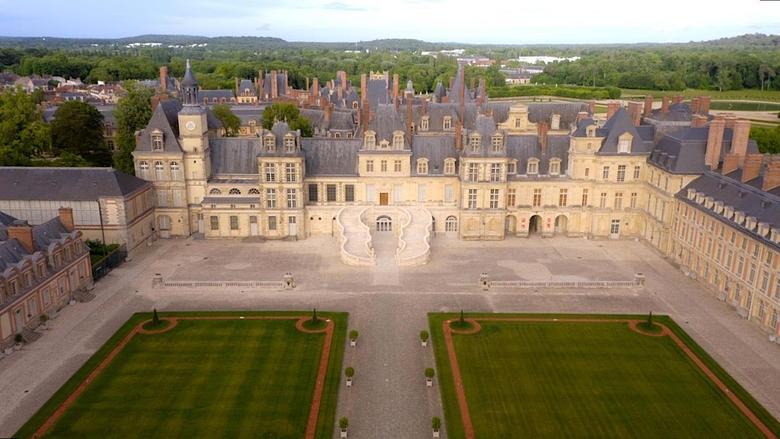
column 190, row 125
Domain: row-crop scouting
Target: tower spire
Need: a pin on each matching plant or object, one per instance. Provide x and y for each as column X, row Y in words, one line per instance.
column 189, row 86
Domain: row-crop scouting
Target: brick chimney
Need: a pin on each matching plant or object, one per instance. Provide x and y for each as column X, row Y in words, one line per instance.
column 409, row 118
column 714, row 143
column 612, row 108
column 328, row 113
column 739, row 140
column 704, row 105
column 752, row 167
column 665, row 104
column 635, row 110
column 363, row 86
column 772, row 175
column 731, row 119
column 730, row 164
column 678, row 99
column 164, row 78
column 66, row 218
column 395, row 88
column 316, row 86
column 648, row 105
column 695, row 105
column 274, row 85
column 541, row 130
column 592, row 107
column 260, row 84
column 582, row 115
column 699, row 121
column 425, row 107
column 459, row 136
column 22, row 232
column 342, row 78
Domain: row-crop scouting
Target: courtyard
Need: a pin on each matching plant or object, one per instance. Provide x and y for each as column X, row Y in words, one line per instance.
column 389, row 306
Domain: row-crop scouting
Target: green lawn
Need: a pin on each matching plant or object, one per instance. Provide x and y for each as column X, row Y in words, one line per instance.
column 745, row 94
column 204, row 378
column 559, row 379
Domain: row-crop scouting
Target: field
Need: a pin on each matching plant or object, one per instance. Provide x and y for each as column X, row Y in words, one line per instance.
column 210, row 375
column 729, row 95
column 545, row 378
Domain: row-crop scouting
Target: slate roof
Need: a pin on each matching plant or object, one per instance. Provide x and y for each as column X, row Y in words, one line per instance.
column 234, row 155
column 619, row 124
column 523, row 148
column 378, row 92
column 66, row 184
column 682, row 152
column 331, row 157
column 166, row 119
column 385, row 121
column 542, row 112
column 677, row 113
column 215, row 95
column 11, row 250
column 436, row 149
column 247, row 84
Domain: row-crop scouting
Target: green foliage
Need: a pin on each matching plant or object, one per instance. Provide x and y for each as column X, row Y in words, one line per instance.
column 98, row 248
column 353, row 334
column 349, row 372
column 132, row 113
column 768, row 139
column 23, row 133
column 436, row 423
column 287, row 113
column 562, row 91
column 230, row 121
column 77, row 128
column 343, row 423
column 424, row 335
column 429, row 372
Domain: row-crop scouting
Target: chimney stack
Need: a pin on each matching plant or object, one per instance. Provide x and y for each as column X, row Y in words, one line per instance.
column 665, row 104
column 695, row 105
column 739, row 140
column 704, row 105
column 164, row 78
column 698, row 121
column 582, row 115
column 66, row 218
column 592, row 107
column 274, row 85
column 260, row 84
column 409, row 119
column 22, row 232
column 541, row 129
column 459, row 136
column 343, row 78
column 772, row 175
column 714, row 143
column 364, row 87
column 648, row 105
column 425, row 107
column 328, row 113
column 730, row 164
column 752, row 167
column 395, row 88
column 678, row 99
column 612, row 108
column 635, row 110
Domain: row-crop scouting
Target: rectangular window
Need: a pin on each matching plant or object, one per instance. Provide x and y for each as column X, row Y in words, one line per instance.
column 494, row 194
column 637, row 170
column 495, row 172
column 587, row 172
column 584, row 198
column 537, row 200
column 270, row 172
column 290, row 172
column 397, row 166
column 473, row 172
column 511, row 198
column 214, row 222
column 603, row 200
column 472, row 200
column 633, row 200
column 330, row 191
column 270, row 198
column 605, row 173
column 422, row 193
column 614, row 227
column 383, row 165
column 233, row 222
column 349, row 193
column 314, row 195
column 370, row 193
column 398, row 193
column 511, row 168
column 618, row 200
column 292, row 199
column 369, row 166
column 563, row 197
column 449, row 194
column 621, row 173
column 271, row 223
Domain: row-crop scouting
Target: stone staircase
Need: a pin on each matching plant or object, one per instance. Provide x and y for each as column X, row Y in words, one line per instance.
column 414, row 243
column 29, row 336
column 355, row 237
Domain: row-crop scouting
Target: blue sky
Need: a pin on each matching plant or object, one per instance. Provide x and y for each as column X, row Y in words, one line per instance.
column 483, row 21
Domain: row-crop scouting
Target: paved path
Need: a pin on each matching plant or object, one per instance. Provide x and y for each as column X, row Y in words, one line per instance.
column 389, row 398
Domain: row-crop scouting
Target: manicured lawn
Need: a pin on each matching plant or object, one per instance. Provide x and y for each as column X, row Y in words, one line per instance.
column 746, row 94
column 555, row 379
column 204, row 378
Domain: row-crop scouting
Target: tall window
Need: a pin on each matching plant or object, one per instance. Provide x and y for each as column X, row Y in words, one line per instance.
column 605, row 173
column 624, row 145
column 349, row 193
column 159, row 170
column 314, row 195
column 449, row 193
column 495, row 172
column 398, row 141
column 269, row 142
column 614, row 227
column 424, row 123
column 422, row 167
column 533, row 167
column 621, row 174
column 233, row 222
column 451, row 224
column 289, row 143
column 511, row 167
column 494, row 194
column 472, row 200
column 397, row 166
column 270, row 198
column 330, row 192
column 143, row 169
column 369, row 140
column 383, row 165
column 474, row 142
column 175, row 171
column 447, row 125
column 497, row 143
column 603, row 200
column 511, row 197
column 473, row 172
column 537, row 199
column 270, row 172
column 637, row 170
column 290, row 172
column 587, row 172
column 584, row 198
column 214, row 222
column 555, row 167
column 563, row 197
column 369, row 166
column 157, row 141
column 271, row 223
column 292, row 199
column 618, row 200
column 633, row 200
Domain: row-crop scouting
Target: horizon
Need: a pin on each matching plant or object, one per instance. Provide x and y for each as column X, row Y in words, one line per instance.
column 328, row 21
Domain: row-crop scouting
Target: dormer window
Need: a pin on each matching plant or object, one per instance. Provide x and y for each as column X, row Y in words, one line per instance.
column 497, row 143
column 384, row 144
column 447, row 124
column 157, row 140
column 422, row 166
column 449, row 166
column 533, row 167
column 355, row 105
column 624, row 143
column 511, row 167
column 269, row 142
column 398, row 140
column 590, row 131
column 289, row 143
column 474, row 142
column 424, row 123
column 369, row 140
column 555, row 166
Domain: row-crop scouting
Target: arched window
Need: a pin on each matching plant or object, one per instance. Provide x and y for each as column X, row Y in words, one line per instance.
column 157, row 140
column 533, row 166
column 235, row 191
column 424, row 123
column 497, row 143
column 474, row 142
column 422, row 166
column 254, row 191
column 398, row 140
column 451, row 224
column 289, row 143
column 159, row 170
column 215, row 191
column 143, row 169
column 369, row 140
column 175, row 171
column 449, row 166
column 447, row 124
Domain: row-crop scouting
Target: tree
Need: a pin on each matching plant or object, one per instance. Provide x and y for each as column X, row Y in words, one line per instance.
column 23, row 133
column 290, row 114
column 230, row 121
column 77, row 128
column 765, row 73
column 132, row 113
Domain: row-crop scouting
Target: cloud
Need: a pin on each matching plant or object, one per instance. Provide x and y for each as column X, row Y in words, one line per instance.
column 264, row 27
column 339, row 6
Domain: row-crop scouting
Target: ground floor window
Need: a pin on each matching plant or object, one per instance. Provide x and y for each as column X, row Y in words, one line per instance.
column 233, row 222
column 614, row 228
column 349, row 193
column 271, row 223
column 451, row 224
column 214, row 222
column 384, row 224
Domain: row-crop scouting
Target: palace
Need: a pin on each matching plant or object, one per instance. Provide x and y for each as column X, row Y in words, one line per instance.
column 453, row 163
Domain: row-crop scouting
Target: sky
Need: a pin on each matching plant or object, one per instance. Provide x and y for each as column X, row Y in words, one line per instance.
column 466, row 21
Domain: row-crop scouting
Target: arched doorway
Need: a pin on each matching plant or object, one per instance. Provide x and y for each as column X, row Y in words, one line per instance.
column 561, row 224
column 451, row 224
column 535, row 225
column 510, row 225
column 384, row 224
